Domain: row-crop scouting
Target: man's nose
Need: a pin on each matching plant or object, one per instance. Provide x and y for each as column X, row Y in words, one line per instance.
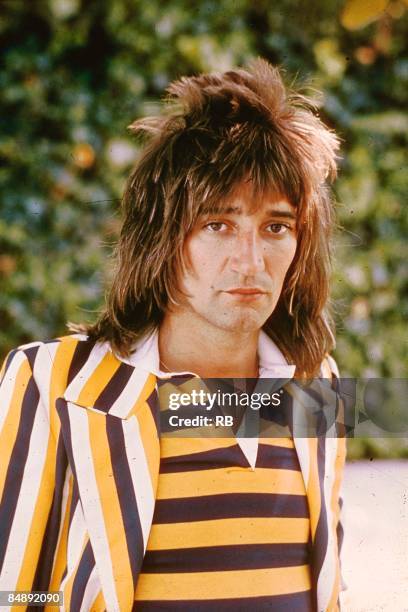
column 248, row 258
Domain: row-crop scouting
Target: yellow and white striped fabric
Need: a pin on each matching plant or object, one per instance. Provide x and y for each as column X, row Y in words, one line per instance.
column 79, row 466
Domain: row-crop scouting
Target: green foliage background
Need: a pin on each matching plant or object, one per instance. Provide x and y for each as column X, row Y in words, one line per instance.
column 75, row 74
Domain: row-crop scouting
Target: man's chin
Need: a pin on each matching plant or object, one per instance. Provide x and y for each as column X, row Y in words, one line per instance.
column 244, row 322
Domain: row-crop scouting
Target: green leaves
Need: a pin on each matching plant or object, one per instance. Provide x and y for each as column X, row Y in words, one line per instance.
column 74, row 75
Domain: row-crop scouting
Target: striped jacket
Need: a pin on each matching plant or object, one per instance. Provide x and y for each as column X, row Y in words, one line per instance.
column 80, row 456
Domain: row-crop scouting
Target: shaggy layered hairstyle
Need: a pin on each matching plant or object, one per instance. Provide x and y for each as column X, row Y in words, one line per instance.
column 218, row 130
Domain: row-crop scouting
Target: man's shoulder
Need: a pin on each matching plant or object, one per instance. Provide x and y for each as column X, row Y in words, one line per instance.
column 61, row 344
column 55, row 363
column 63, row 353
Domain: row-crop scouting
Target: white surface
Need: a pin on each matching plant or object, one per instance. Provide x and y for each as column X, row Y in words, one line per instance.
column 375, row 553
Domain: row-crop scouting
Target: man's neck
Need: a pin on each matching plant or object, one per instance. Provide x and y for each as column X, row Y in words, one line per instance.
column 187, row 344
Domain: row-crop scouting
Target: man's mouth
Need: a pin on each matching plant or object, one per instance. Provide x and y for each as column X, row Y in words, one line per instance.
column 246, row 293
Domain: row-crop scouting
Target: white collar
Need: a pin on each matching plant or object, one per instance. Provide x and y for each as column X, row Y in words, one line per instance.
column 272, row 363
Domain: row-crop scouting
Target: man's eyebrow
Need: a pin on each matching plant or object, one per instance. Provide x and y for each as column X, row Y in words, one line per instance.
column 270, row 212
column 277, row 212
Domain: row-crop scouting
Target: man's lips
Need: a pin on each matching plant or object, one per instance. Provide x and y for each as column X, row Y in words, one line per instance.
column 245, row 291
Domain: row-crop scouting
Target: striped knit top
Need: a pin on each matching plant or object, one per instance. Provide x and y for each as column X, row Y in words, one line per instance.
column 226, row 536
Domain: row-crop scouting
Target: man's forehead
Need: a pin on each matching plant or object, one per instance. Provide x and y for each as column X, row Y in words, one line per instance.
column 281, row 207
column 268, row 206
column 247, row 198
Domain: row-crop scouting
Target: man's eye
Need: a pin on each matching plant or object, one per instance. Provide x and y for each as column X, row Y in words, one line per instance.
column 278, row 228
column 215, row 226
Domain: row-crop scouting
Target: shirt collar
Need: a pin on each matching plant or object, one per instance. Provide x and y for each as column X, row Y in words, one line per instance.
column 272, row 363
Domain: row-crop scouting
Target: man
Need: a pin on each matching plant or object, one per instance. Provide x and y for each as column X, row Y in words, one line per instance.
column 222, row 272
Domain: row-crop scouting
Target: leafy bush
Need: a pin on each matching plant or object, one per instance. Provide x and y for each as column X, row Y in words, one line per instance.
column 75, row 74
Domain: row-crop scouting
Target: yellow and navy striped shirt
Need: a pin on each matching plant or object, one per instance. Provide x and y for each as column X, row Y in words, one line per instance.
column 226, row 536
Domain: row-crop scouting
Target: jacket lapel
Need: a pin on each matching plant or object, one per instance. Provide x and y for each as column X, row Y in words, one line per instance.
column 313, row 429
column 112, row 439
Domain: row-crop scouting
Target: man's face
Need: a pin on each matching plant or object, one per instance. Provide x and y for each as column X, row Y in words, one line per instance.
column 236, row 261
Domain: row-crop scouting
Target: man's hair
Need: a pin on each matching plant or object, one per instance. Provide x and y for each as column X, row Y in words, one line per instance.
column 217, row 131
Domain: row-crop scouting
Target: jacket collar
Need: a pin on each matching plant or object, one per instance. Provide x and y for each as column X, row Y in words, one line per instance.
column 142, row 366
column 137, row 375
